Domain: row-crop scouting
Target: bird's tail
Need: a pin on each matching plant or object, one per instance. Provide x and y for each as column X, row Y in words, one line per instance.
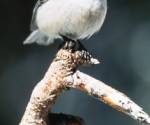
column 39, row 38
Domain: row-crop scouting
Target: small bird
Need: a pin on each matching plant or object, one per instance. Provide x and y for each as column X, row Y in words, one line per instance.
column 72, row 19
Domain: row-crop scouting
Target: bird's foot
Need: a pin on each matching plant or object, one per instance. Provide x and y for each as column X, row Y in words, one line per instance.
column 81, row 53
column 68, row 44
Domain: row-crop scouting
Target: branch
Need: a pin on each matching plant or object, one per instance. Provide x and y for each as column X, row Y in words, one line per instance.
column 62, row 74
column 108, row 95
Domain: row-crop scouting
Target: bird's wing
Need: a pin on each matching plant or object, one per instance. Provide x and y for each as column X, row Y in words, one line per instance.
column 33, row 25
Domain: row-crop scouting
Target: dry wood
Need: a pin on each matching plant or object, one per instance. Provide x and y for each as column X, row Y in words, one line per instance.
column 62, row 74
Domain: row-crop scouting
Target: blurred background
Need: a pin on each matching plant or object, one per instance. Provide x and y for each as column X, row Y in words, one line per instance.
column 122, row 45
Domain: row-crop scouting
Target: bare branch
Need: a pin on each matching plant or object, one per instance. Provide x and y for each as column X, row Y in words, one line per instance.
column 61, row 74
column 47, row 90
column 108, row 95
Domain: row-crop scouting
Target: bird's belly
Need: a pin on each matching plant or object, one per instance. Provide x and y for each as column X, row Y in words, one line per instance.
column 76, row 19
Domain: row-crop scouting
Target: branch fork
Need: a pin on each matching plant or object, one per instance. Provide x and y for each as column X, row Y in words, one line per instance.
column 62, row 74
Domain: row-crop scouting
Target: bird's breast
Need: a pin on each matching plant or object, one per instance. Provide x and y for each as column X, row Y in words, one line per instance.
column 76, row 18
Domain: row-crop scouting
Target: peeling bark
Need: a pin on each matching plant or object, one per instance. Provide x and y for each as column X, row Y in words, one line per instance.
column 62, row 74
column 108, row 95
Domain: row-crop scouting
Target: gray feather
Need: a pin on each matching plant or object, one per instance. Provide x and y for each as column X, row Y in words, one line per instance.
column 33, row 24
column 39, row 38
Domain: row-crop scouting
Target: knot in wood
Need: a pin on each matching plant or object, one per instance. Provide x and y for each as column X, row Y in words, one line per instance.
column 83, row 57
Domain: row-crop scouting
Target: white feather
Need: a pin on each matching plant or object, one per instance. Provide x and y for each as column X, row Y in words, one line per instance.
column 39, row 38
column 75, row 19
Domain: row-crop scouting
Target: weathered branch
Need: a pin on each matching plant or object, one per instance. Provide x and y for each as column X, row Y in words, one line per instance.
column 61, row 74
column 108, row 95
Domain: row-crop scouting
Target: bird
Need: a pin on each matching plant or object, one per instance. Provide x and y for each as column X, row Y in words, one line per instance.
column 71, row 19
